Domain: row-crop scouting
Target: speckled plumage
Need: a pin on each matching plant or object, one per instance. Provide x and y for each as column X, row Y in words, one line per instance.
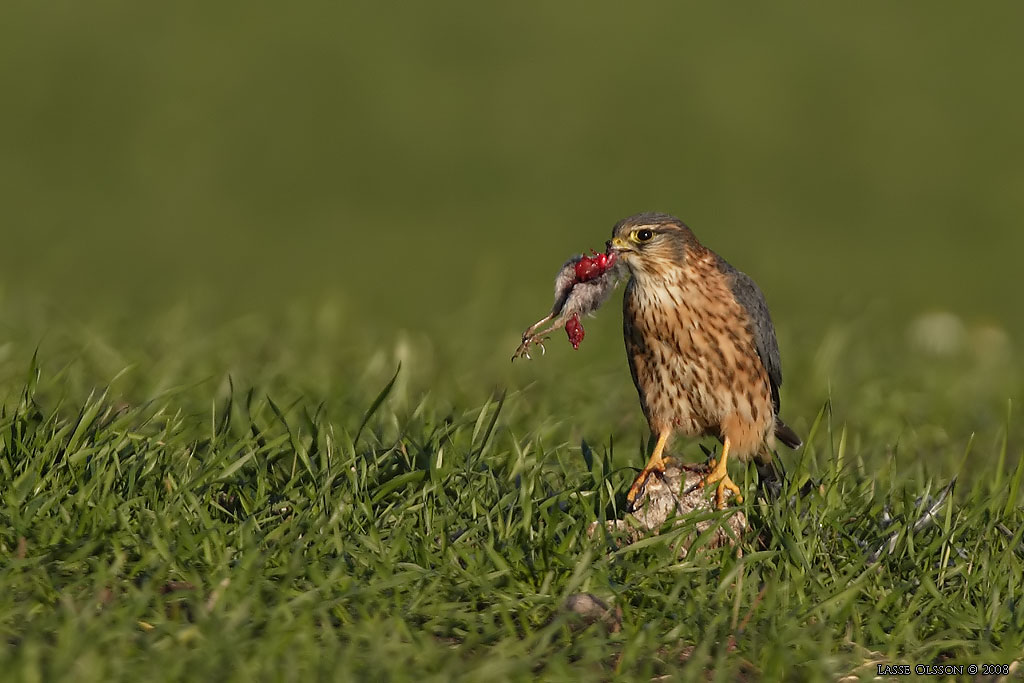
column 699, row 339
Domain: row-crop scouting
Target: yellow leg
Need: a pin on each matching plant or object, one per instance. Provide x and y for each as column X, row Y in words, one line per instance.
column 721, row 475
column 655, row 464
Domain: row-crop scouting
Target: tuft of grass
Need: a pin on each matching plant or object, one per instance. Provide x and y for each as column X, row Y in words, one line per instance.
column 383, row 533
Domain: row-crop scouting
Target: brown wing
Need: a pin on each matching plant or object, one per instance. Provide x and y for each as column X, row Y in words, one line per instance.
column 750, row 297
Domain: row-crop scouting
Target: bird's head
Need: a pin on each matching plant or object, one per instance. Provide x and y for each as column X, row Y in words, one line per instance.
column 650, row 243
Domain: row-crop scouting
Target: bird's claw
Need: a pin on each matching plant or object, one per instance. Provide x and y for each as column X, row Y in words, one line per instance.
column 524, row 348
column 639, row 488
column 725, row 483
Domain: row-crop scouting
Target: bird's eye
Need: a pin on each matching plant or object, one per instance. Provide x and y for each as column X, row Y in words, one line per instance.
column 644, row 235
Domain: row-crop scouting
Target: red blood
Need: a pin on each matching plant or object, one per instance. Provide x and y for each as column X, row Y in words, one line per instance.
column 589, row 268
column 574, row 329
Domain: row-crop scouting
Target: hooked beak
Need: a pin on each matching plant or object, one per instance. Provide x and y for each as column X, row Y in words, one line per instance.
column 618, row 245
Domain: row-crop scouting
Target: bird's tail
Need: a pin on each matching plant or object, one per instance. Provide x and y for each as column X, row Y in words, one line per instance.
column 786, row 435
column 770, row 474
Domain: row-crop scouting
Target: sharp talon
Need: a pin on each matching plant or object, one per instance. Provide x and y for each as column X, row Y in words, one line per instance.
column 636, row 491
column 725, row 483
column 639, row 487
column 631, row 503
column 723, row 486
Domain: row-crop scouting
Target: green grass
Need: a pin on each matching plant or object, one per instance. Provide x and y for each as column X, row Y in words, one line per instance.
column 292, row 518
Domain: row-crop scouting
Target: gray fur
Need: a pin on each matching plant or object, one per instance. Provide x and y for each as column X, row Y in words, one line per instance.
column 571, row 298
column 584, row 297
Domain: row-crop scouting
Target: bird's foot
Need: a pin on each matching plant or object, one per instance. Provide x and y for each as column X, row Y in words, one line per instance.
column 721, row 475
column 636, row 491
column 524, row 348
column 534, row 336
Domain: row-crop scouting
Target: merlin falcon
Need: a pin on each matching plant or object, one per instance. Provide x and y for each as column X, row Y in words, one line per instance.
column 701, row 348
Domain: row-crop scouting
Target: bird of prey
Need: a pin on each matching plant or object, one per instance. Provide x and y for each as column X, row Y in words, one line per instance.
column 701, row 348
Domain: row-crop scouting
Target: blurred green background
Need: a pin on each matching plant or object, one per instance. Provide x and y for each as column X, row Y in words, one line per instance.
column 410, row 176
column 231, row 221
